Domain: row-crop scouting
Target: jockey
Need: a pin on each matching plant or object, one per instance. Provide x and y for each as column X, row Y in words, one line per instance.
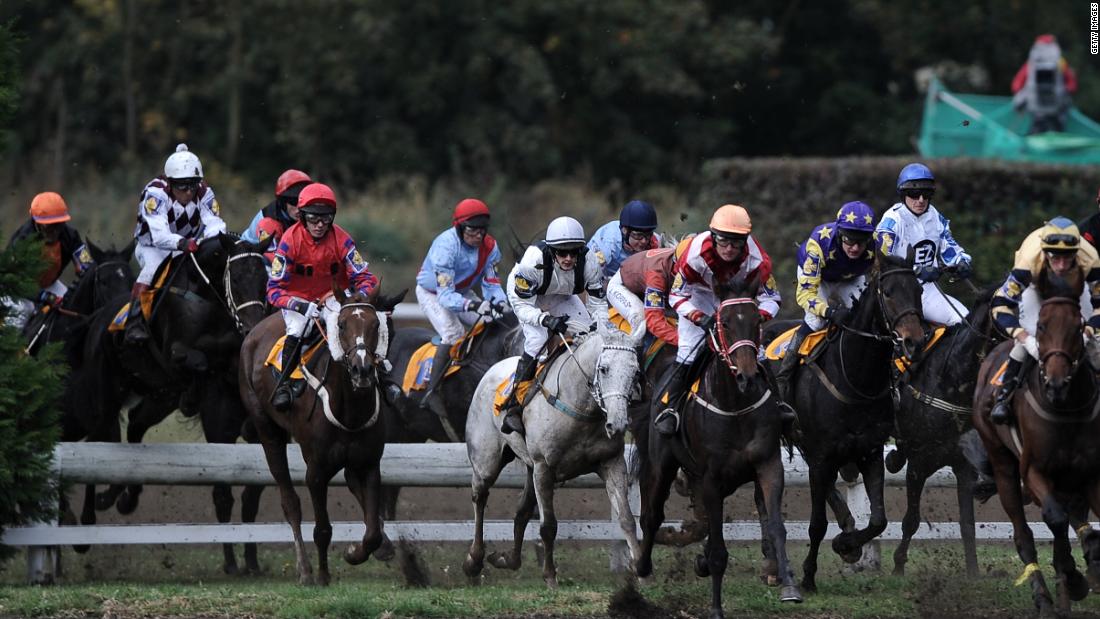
column 272, row 220
column 831, row 265
column 460, row 257
column 647, row 275
column 1056, row 247
column 915, row 224
column 314, row 255
column 725, row 254
column 61, row 245
column 615, row 241
column 543, row 289
column 175, row 212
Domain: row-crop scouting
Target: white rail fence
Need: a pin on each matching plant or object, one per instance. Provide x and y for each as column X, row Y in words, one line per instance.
column 426, row 465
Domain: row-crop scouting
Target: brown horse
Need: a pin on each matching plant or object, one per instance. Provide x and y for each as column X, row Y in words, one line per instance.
column 336, row 420
column 730, row 436
column 1053, row 447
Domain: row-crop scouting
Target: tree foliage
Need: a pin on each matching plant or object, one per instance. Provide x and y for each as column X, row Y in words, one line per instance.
column 634, row 91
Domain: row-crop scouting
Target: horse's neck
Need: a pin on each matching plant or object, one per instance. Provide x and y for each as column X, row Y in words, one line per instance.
column 721, row 383
column 82, row 298
column 576, row 369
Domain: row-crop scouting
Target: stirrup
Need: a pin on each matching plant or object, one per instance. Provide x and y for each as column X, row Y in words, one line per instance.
column 1001, row 413
column 667, row 422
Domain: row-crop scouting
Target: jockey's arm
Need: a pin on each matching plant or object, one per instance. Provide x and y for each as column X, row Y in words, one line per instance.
column 210, row 212
column 768, row 298
column 1005, row 306
column 360, row 279
column 154, row 211
column 596, row 304
column 654, row 302
column 522, row 283
column 952, row 253
column 808, row 292
column 491, row 290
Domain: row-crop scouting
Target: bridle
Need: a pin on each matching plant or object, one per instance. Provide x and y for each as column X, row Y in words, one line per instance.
column 96, row 277
column 717, row 335
column 880, row 299
column 1074, row 361
column 598, row 394
column 227, row 279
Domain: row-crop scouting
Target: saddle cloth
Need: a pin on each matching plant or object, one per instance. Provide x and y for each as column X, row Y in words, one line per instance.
column 778, row 348
column 275, row 357
column 619, row 322
column 419, row 369
column 903, row 364
column 998, row 377
column 504, row 389
column 118, row 323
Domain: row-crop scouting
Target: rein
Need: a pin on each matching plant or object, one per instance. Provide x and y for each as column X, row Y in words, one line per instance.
column 719, row 343
column 234, row 307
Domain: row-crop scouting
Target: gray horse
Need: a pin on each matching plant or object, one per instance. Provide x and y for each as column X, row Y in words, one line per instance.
column 589, row 384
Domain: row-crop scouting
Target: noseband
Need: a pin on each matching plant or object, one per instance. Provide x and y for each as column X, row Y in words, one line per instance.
column 234, row 307
column 1073, row 361
column 718, row 340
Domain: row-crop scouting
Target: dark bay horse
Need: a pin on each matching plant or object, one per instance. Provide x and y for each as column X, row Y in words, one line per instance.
column 936, row 398
column 1053, row 447
column 844, row 405
column 197, row 328
column 337, row 420
column 730, row 436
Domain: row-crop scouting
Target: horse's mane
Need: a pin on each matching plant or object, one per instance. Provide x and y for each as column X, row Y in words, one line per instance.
column 1052, row 286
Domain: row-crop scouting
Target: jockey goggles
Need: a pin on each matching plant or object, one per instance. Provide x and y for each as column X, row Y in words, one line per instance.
column 849, row 237
column 190, row 184
column 725, row 239
column 567, row 251
column 1060, row 243
column 916, row 194
column 314, row 218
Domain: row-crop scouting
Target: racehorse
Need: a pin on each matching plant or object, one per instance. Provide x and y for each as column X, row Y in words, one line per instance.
column 337, row 420
column 575, row 425
column 730, row 431
column 109, row 277
column 1052, row 446
column 407, row 422
column 210, row 300
column 936, row 397
column 843, row 400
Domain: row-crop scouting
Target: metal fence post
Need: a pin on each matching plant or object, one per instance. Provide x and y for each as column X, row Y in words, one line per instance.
column 44, row 562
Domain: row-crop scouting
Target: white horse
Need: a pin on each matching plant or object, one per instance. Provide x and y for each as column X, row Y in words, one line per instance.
column 587, row 385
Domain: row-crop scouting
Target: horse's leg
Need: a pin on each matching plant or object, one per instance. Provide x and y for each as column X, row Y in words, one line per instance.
column 1090, row 538
column 548, row 527
column 485, row 473
column 148, row 415
column 390, row 495
column 613, row 473
column 964, row 492
column 525, row 508
column 250, row 506
column 1007, row 476
column 1072, row 585
column 274, row 442
column 850, row 545
column 915, row 479
column 111, row 433
column 843, row 514
column 317, row 479
column 769, row 567
column 715, row 558
column 769, row 486
column 222, row 495
column 821, row 484
column 367, row 488
column 655, row 488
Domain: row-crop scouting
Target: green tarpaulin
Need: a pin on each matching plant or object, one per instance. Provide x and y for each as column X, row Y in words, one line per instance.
column 987, row 126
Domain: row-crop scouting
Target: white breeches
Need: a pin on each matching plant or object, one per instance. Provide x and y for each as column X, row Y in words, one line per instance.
column 626, row 303
column 449, row 325
column 150, row 258
column 936, row 306
column 571, row 306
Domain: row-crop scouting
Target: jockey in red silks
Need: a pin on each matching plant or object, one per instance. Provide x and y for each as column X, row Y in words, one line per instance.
column 314, row 255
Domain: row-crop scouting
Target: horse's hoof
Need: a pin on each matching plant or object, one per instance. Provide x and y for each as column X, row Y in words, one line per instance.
column 386, row 551
column 770, row 580
column 81, row 549
column 899, row 569
column 790, row 593
column 894, row 461
column 104, row 501
column 702, row 568
column 1077, row 586
column 231, row 569
column 305, row 579
column 809, row 585
column 472, row 567
column 323, row 579
column 643, row 568
column 354, row 555
column 849, row 472
column 716, row 613
column 127, row 502
column 551, row 581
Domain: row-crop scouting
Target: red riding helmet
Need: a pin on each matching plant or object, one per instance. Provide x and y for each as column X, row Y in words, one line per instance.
column 289, row 179
column 317, row 198
column 471, row 211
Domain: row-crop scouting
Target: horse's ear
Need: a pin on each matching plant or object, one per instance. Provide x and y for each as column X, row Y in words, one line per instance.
column 128, row 251
column 259, row 246
column 910, row 256
column 387, row 304
column 722, row 291
column 752, row 286
column 227, row 241
column 96, row 252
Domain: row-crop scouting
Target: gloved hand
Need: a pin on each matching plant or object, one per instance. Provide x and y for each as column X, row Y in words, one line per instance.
column 701, row 319
column 963, row 270
column 556, row 324
column 838, row 315
column 499, row 309
column 48, row 298
column 928, row 274
column 309, row 310
column 188, row 246
column 484, row 309
column 1091, row 331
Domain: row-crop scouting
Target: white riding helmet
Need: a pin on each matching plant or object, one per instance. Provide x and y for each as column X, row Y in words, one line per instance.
column 565, row 233
column 183, row 164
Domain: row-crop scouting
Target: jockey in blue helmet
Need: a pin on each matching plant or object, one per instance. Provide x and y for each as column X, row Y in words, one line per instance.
column 616, row 241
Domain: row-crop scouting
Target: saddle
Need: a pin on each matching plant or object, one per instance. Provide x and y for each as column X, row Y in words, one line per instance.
column 903, row 364
column 419, row 369
column 148, row 298
column 524, row 395
column 810, row 345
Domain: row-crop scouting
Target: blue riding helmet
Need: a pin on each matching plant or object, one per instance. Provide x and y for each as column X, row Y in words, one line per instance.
column 916, row 176
column 638, row 215
column 857, row 217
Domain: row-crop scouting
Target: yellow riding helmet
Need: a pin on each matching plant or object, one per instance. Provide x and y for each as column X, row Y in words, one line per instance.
column 1060, row 235
column 731, row 219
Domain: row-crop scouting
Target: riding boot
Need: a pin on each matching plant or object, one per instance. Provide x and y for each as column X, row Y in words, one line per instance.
column 284, row 393
column 668, row 420
column 1014, row 376
column 513, row 407
column 432, row 398
column 790, row 363
column 136, row 331
column 786, row 412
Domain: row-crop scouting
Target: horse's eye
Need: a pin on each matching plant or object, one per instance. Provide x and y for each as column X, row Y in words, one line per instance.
column 1041, row 328
column 341, row 323
column 603, row 369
